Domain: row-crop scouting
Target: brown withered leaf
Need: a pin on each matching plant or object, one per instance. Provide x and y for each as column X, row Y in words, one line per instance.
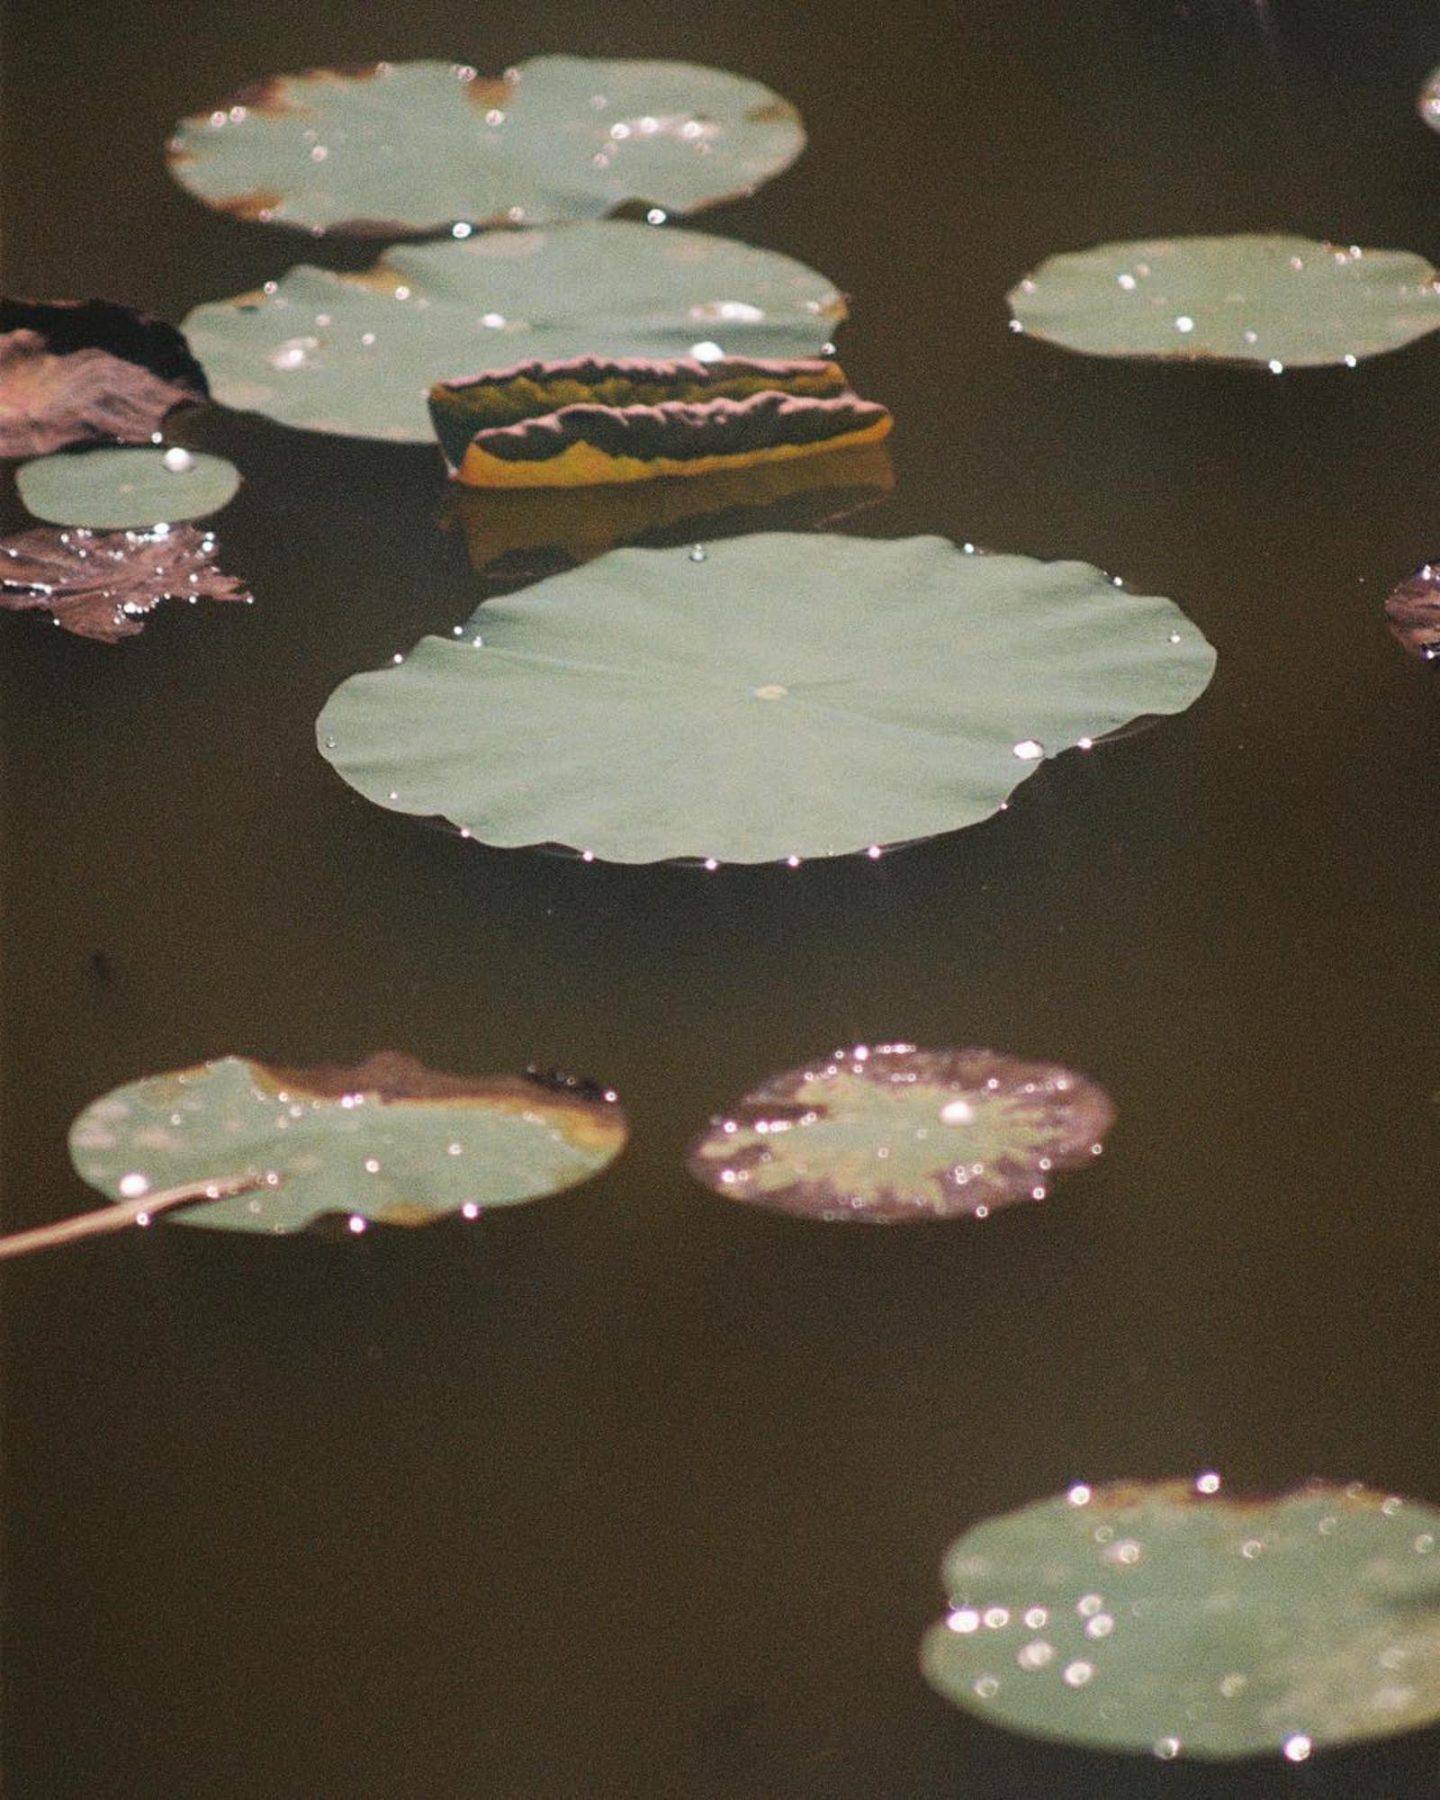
column 76, row 372
column 1413, row 611
column 101, row 584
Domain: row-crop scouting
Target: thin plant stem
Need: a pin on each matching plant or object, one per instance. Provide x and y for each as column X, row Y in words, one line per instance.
column 122, row 1214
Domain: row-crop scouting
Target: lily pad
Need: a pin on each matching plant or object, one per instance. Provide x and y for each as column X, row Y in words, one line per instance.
column 1413, row 610
column 1281, row 302
column 389, row 1141
column 1165, row 1617
column 893, row 1134
column 126, row 489
column 358, row 354
column 75, row 372
column 102, row 585
column 770, row 697
column 420, row 147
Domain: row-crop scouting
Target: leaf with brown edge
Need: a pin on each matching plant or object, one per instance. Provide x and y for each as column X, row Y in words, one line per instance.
column 75, row 372
column 385, row 1142
column 101, row 584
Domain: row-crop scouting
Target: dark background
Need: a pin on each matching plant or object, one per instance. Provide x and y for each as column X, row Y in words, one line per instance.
column 632, row 1492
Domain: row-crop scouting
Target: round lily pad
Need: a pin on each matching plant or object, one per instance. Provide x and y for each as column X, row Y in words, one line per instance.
column 389, row 1141
column 421, row 146
column 1280, row 302
column 358, row 354
column 1165, row 1617
column 889, row 1134
column 770, row 697
column 126, row 490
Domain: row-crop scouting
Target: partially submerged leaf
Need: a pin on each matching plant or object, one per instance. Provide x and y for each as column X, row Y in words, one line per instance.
column 358, row 354
column 102, row 585
column 1279, row 302
column 892, row 1134
column 388, row 1141
column 1165, row 1617
column 111, row 490
column 530, row 531
column 76, row 372
column 1413, row 610
column 419, row 147
column 769, row 697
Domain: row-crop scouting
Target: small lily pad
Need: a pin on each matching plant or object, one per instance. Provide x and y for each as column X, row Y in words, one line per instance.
column 358, row 354
column 1280, row 302
column 74, row 372
column 102, row 585
column 420, row 147
column 1413, row 610
column 770, row 697
column 893, row 1134
column 1165, row 1617
column 388, row 1141
column 126, row 490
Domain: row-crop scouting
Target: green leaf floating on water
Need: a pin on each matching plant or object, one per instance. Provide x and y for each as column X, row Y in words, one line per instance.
column 389, row 1141
column 762, row 698
column 357, row 354
column 418, row 147
column 126, row 490
column 889, row 1133
column 1281, row 302
column 1168, row 1618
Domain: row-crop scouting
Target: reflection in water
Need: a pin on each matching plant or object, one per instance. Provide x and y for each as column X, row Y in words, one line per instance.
column 102, row 584
column 1165, row 1617
column 891, row 1133
column 534, row 531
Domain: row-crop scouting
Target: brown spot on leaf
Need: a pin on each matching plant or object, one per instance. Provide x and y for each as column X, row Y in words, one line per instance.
column 257, row 207
column 578, row 1108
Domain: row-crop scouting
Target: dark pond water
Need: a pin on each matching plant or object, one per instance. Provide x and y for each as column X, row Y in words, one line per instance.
column 634, row 1492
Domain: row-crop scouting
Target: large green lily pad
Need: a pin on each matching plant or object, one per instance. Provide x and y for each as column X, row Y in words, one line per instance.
column 888, row 1134
column 389, row 1141
column 762, row 698
column 1167, row 1618
column 1281, row 302
column 358, row 354
column 421, row 146
column 126, row 490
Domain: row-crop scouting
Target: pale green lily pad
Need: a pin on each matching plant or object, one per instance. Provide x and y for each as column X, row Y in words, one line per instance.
column 888, row 1133
column 358, row 354
column 388, row 1141
column 1282, row 302
column 419, row 147
column 126, row 490
column 770, row 697
column 1167, row 1618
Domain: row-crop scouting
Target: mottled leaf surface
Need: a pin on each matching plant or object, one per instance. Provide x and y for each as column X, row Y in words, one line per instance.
column 358, row 354
column 1167, row 1618
column 891, row 1134
column 421, row 146
column 389, row 1140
